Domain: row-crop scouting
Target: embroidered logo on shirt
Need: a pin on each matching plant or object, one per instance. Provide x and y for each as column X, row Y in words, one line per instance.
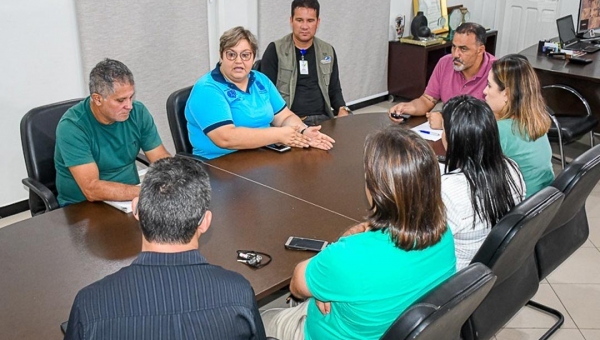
column 231, row 93
column 261, row 87
column 326, row 60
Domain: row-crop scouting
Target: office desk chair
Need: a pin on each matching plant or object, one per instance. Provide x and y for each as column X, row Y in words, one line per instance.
column 569, row 229
column 441, row 312
column 177, row 122
column 38, row 137
column 567, row 128
column 509, row 252
column 256, row 65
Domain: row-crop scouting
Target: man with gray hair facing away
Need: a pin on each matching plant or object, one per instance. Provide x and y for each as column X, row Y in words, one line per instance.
column 169, row 291
column 98, row 139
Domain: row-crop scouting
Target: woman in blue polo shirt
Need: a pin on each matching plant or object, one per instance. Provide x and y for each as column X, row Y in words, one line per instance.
column 233, row 107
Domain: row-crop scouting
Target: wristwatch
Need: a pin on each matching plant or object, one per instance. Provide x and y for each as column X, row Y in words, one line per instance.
column 303, row 129
column 347, row 109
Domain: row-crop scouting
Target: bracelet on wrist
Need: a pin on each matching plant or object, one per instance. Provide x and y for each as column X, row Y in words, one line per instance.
column 304, row 129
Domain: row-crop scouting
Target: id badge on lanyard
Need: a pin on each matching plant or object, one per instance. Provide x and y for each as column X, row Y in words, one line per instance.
column 303, row 63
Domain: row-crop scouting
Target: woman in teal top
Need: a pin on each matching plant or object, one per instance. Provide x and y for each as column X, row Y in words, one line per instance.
column 513, row 92
column 357, row 286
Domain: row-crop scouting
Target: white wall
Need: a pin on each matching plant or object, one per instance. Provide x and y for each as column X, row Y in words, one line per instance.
column 40, row 63
column 226, row 14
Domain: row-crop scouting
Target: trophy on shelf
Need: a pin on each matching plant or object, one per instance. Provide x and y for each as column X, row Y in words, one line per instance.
column 400, row 23
column 457, row 17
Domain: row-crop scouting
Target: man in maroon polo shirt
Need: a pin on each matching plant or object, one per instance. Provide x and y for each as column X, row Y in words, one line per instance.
column 464, row 71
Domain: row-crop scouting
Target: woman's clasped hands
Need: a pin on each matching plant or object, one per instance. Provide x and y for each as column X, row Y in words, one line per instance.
column 304, row 137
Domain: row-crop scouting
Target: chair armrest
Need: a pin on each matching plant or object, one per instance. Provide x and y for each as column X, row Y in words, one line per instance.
column 142, row 159
column 43, row 192
column 554, row 120
column 574, row 92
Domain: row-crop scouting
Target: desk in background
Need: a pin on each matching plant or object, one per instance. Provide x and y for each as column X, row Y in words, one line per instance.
column 583, row 78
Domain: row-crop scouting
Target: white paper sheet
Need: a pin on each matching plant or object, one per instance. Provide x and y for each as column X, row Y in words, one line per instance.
column 425, row 131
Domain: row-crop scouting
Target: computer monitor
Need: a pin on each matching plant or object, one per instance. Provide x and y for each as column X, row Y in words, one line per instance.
column 589, row 18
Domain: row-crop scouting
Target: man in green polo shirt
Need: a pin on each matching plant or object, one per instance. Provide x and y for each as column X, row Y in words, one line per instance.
column 98, row 139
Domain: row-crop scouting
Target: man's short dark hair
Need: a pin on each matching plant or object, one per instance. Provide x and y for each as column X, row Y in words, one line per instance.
column 473, row 28
column 313, row 4
column 106, row 73
column 174, row 197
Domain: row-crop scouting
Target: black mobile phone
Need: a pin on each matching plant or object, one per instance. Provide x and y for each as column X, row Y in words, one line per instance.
column 400, row 115
column 278, row 147
column 301, row 243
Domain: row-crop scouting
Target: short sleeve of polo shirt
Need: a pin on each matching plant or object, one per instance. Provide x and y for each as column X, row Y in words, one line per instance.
column 150, row 139
column 275, row 98
column 434, row 85
column 327, row 279
column 208, row 107
column 73, row 143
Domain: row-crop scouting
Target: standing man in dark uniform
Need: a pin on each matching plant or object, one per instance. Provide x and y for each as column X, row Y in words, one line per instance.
column 305, row 69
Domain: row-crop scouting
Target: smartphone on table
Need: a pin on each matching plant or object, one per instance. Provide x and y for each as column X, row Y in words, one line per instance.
column 278, row 147
column 301, row 243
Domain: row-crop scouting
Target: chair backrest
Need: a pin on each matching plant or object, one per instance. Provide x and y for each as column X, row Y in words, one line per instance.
column 38, row 137
column 569, row 229
column 508, row 251
column 440, row 313
column 177, row 122
column 256, row 65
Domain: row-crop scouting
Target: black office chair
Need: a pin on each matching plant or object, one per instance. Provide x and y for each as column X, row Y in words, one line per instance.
column 441, row 312
column 509, row 252
column 177, row 122
column 38, row 138
column 567, row 128
column 569, row 229
column 256, row 65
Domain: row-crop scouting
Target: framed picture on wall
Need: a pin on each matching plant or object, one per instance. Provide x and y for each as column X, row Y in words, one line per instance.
column 436, row 12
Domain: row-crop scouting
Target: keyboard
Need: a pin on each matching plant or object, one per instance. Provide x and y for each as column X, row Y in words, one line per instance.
column 592, row 49
column 583, row 46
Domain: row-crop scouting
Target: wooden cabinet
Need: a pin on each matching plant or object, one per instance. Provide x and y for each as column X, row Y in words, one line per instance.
column 410, row 66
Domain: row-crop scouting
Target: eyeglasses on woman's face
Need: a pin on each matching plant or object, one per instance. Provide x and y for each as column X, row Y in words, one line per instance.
column 232, row 55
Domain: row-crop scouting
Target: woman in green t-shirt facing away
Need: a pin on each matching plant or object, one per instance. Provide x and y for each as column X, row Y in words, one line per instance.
column 356, row 287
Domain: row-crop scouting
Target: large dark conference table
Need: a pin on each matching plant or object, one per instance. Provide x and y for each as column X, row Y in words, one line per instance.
column 583, row 78
column 259, row 199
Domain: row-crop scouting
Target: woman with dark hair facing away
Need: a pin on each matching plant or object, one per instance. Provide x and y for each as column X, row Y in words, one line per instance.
column 357, row 286
column 514, row 95
column 479, row 184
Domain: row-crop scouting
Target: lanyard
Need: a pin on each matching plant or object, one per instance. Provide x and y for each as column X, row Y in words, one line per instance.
column 302, row 53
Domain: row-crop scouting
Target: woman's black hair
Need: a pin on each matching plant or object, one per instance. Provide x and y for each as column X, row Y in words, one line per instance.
column 474, row 148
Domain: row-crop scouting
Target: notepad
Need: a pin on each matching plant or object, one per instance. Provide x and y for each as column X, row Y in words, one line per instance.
column 125, row 206
column 424, row 130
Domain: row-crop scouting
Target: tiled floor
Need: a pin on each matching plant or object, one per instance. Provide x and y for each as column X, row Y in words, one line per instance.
column 574, row 288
